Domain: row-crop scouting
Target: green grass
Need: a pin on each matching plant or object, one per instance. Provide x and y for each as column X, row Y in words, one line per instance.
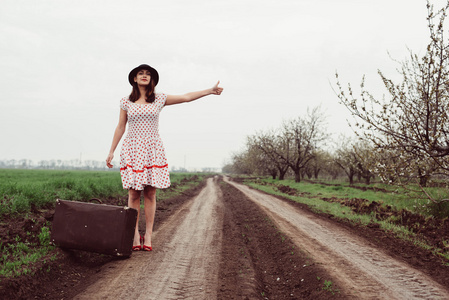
column 19, row 258
column 396, row 197
column 315, row 204
column 20, row 189
column 311, row 194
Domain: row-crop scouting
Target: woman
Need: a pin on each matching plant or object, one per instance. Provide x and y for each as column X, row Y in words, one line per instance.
column 143, row 166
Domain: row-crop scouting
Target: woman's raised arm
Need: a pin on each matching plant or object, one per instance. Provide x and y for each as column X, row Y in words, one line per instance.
column 176, row 99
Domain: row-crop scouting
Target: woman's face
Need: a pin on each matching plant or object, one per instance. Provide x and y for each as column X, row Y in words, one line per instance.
column 143, row 77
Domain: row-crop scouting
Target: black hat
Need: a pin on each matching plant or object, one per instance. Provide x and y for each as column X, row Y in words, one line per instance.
column 133, row 73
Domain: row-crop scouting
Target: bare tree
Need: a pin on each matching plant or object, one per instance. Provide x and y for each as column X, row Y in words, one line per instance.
column 303, row 136
column 260, row 161
column 241, row 164
column 332, row 169
column 364, row 160
column 317, row 164
column 346, row 158
column 274, row 149
column 291, row 147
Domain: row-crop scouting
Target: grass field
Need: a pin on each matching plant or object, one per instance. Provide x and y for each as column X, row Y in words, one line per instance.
column 19, row 189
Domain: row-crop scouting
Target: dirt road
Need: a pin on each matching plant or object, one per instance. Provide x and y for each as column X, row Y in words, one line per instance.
column 362, row 270
column 189, row 262
column 183, row 264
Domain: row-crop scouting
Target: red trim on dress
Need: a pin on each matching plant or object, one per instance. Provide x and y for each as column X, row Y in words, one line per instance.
column 147, row 167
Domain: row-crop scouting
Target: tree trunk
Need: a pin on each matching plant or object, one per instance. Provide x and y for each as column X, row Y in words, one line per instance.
column 367, row 179
column 351, row 173
column 422, row 178
column 282, row 174
column 297, row 176
column 423, row 181
column 351, row 178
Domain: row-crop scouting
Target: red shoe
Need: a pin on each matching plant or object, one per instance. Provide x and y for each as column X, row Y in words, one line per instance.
column 137, row 248
column 147, row 248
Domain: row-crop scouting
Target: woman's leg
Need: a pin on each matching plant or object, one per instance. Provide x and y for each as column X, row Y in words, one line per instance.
column 149, row 194
column 134, row 202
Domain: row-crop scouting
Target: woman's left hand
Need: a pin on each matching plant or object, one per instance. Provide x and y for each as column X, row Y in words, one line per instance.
column 216, row 90
column 109, row 160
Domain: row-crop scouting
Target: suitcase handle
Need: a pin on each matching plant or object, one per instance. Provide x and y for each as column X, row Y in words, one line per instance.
column 96, row 199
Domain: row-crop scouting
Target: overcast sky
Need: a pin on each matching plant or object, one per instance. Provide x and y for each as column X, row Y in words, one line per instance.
column 64, row 67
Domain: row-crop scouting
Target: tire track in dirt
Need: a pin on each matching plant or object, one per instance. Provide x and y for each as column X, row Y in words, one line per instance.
column 364, row 271
column 185, row 260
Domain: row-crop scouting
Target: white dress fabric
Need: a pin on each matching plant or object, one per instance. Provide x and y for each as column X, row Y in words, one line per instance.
column 142, row 157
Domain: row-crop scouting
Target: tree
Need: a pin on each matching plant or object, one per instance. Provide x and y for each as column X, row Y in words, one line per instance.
column 239, row 163
column 274, row 149
column 364, row 161
column 228, row 168
column 332, row 169
column 303, row 136
column 413, row 122
column 398, row 168
column 317, row 164
column 346, row 158
column 261, row 163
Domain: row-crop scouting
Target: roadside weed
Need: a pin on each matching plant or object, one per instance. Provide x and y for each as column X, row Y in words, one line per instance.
column 44, row 236
column 17, row 258
column 328, row 286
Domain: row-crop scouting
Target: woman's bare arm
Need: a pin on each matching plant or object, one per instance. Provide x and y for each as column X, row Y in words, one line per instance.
column 119, row 131
column 176, row 99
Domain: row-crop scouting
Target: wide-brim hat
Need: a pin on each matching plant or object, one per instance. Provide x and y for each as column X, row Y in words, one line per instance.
column 133, row 73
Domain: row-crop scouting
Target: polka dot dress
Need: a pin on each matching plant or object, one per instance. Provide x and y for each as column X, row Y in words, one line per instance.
column 142, row 158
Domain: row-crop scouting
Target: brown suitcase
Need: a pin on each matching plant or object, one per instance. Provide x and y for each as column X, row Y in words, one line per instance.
column 105, row 229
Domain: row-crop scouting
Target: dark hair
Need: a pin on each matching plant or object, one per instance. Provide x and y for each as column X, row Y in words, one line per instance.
column 149, row 92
